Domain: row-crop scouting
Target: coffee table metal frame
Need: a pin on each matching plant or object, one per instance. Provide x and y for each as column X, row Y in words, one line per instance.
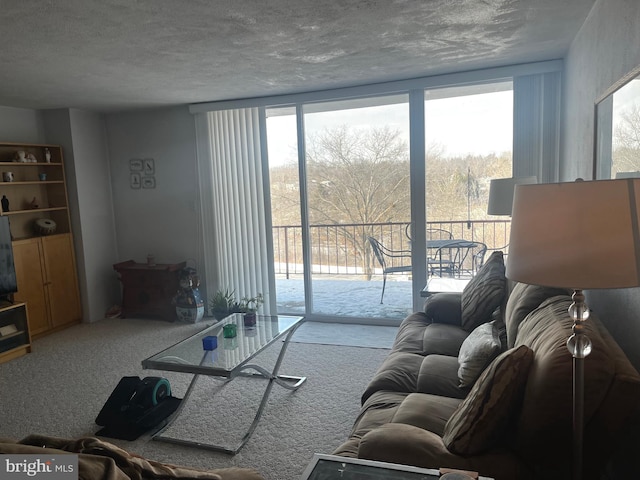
column 170, row 359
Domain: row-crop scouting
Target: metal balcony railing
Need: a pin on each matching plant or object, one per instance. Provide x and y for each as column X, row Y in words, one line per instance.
column 343, row 249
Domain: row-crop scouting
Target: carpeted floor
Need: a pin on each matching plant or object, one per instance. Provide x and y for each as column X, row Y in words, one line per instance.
column 61, row 386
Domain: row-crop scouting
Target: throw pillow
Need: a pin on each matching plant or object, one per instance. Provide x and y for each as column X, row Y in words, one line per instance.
column 476, row 352
column 484, row 293
column 483, row 417
column 497, row 318
column 524, row 299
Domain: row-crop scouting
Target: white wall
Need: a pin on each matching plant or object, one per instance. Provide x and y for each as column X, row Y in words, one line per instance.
column 21, row 125
column 83, row 139
column 606, row 48
column 90, row 182
column 160, row 221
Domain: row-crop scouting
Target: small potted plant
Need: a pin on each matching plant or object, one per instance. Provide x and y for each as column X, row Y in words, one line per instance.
column 222, row 304
column 249, row 306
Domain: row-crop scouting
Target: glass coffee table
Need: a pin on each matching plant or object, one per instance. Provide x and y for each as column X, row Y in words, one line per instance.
column 333, row 467
column 230, row 358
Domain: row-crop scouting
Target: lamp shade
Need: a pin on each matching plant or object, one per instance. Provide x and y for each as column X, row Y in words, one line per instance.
column 501, row 193
column 578, row 235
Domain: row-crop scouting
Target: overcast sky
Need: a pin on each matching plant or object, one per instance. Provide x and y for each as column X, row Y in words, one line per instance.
column 471, row 124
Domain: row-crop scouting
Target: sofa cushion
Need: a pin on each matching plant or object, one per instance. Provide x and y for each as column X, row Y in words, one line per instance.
column 523, row 299
column 442, row 339
column 484, row 292
column 412, row 411
column 439, row 376
column 444, row 307
column 477, row 351
column 482, row 418
column 544, row 427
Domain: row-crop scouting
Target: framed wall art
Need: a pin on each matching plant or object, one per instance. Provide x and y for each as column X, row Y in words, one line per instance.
column 148, row 182
column 134, row 181
column 135, row 165
column 148, row 166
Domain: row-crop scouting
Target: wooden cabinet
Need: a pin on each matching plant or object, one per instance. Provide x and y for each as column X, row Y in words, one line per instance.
column 47, row 281
column 15, row 338
column 149, row 290
column 36, row 193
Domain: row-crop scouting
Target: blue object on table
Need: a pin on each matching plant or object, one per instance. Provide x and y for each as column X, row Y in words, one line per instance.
column 210, row 342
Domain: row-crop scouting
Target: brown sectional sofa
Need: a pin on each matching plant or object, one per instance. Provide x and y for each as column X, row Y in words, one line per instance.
column 515, row 421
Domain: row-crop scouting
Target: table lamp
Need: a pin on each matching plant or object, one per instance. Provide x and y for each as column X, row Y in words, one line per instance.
column 578, row 235
column 501, row 193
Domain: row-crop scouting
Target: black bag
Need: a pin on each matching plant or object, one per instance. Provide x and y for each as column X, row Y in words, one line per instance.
column 136, row 406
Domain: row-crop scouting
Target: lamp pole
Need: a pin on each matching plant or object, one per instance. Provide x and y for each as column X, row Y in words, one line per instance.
column 579, row 346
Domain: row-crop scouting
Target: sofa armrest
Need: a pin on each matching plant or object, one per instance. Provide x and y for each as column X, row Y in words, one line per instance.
column 409, row 445
column 398, row 373
column 445, row 307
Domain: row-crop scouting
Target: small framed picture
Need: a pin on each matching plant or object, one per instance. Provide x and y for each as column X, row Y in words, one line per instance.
column 135, row 180
column 148, row 167
column 135, row 165
column 148, row 182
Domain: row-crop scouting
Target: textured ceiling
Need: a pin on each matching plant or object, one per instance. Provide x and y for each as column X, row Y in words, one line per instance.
column 108, row 55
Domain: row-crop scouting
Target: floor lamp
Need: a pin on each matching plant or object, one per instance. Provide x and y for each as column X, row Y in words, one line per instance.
column 578, row 235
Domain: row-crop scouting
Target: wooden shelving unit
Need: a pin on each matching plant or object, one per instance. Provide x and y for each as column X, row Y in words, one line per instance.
column 31, row 198
column 45, row 262
column 15, row 337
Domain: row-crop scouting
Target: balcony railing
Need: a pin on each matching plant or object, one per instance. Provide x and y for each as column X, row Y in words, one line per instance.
column 343, row 249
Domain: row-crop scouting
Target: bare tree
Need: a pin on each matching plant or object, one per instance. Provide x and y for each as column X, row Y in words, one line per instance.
column 358, row 177
column 626, row 145
column 457, row 187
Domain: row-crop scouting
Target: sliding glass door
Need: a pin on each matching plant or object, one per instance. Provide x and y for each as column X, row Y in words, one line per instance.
column 345, row 199
column 336, row 195
column 358, row 206
column 468, row 138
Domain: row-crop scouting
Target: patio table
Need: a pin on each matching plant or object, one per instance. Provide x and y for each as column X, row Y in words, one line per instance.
column 456, row 251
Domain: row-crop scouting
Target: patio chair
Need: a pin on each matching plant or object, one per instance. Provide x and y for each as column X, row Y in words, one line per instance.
column 432, row 233
column 478, row 257
column 388, row 259
column 439, row 234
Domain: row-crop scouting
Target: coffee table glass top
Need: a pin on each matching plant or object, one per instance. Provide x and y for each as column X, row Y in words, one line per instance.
column 189, row 355
column 330, row 467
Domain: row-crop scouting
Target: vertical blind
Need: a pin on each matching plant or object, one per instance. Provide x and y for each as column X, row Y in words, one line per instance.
column 536, row 126
column 234, row 230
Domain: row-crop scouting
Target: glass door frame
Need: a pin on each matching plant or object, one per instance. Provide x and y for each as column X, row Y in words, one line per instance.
column 417, row 208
